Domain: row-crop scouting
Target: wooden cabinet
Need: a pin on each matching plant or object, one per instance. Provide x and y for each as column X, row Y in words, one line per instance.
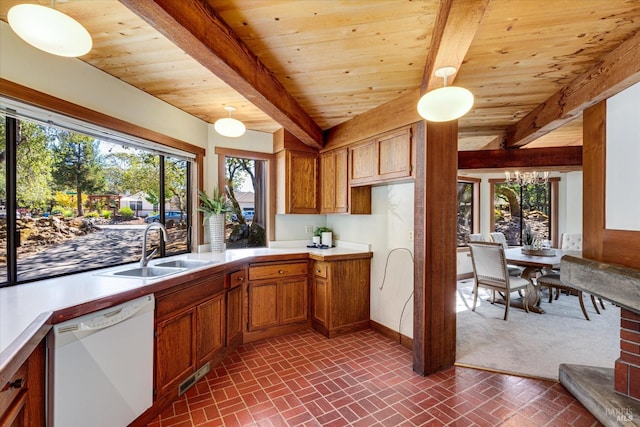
column 190, row 330
column 334, row 181
column 277, row 298
column 388, row 157
column 297, row 181
column 22, row 398
column 236, row 283
column 341, row 296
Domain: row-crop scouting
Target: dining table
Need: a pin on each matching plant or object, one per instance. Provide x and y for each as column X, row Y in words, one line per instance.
column 534, row 262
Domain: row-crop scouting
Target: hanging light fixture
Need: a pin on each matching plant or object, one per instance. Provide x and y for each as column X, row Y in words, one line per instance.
column 446, row 103
column 229, row 126
column 49, row 30
column 526, row 178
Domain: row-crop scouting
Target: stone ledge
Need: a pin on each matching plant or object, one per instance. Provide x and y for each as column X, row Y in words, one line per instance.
column 620, row 285
column 593, row 387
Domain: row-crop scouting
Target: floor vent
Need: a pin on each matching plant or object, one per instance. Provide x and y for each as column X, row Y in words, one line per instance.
column 186, row 384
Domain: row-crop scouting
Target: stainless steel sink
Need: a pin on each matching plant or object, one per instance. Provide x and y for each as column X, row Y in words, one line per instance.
column 184, row 263
column 146, row 272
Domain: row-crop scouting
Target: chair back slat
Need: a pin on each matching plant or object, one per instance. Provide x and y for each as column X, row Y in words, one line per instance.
column 499, row 237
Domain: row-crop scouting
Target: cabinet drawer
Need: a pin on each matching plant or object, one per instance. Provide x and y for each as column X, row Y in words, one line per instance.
column 272, row 271
column 237, row 278
column 187, row 296
column 8, row 394
column 321, row 269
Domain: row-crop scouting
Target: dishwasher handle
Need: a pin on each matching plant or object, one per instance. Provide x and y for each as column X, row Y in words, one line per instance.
column 105, row 318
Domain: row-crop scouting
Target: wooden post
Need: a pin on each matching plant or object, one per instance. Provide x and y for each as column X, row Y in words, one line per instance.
column 434, row 337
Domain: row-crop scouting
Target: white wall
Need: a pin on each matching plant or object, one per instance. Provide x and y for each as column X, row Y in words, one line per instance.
column 387, row 228
column 75, row 81
column 623, row 158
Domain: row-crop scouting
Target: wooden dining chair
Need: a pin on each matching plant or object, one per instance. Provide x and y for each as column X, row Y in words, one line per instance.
column 490, row 272
column 499, row 237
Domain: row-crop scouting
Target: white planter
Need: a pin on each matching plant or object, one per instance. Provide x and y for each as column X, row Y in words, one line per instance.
column 216, row 232
column 316, row 240
column 327, row 238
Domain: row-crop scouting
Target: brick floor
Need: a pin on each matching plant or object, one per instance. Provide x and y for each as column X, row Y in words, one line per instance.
column 362, row 379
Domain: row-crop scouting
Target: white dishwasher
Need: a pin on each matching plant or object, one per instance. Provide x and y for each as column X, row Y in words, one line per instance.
column 103, row 366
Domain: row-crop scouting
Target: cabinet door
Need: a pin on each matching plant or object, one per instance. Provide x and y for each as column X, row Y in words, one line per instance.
column 234, row 313
column 334, row 189
column 320, row 302
column 175, row 350
column 363, row 163
column 394, row 155
column 341, row 180
column 327, row 182
column 210, row 327
column 263, row 304
column 302, row 182
column 293, row 300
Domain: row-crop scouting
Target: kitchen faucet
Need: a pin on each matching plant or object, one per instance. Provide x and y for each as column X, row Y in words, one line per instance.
column 145, row 258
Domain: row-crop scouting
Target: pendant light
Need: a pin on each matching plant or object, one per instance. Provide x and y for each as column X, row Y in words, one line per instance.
column 49, row 30
column 229, row 126
column 446, row 103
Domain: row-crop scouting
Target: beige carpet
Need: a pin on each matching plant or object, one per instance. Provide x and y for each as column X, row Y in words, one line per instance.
column 532, row 344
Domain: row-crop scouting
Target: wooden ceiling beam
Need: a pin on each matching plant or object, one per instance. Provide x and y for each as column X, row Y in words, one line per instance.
column 456, row 25
column 526, row 158
column 195, row 28
column 613, row 73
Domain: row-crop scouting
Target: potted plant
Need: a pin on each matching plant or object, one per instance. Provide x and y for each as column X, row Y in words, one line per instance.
column 214, row 209
column 323, row 235
column 527, row 238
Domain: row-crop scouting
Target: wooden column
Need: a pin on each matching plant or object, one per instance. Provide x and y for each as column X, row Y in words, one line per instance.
column 434, row 329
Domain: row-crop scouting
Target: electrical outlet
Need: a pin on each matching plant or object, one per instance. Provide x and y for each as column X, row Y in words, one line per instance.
column 308, row 229
column 411, row 235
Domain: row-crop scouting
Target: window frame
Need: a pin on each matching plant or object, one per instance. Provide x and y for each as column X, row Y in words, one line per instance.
column 554, row 200
column 475, row 203
column 270, row 185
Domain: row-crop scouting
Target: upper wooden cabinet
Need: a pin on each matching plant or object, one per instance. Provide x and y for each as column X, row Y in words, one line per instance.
column 334, row 187
column 297, row 175
column 387, row 157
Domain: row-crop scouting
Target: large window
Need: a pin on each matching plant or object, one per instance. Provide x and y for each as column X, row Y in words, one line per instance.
column 73, row 201
column 519, row 206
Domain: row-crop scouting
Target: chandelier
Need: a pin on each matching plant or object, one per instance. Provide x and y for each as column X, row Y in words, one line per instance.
column 526, row 177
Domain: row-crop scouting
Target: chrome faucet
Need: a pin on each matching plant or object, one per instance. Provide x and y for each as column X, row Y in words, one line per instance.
column 145, row 258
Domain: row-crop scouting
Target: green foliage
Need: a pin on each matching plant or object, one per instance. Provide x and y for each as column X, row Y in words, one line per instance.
column 93, row 214
column 319, row 230
column 106, row 214
column 77, row 164
column 126, row 212
column 213, row 205
column 67, row 213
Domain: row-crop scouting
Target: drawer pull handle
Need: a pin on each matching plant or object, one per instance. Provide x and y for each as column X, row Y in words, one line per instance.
column 240, row 279
column 19, row 383
column 318, row 271
column 280, row 271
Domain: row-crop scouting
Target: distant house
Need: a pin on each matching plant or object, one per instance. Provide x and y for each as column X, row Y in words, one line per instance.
column 139, row 204
column 246, row 199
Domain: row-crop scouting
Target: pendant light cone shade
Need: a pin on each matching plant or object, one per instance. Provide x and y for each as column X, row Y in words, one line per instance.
column 229, row 126
column 49, row 30
column 446, row 103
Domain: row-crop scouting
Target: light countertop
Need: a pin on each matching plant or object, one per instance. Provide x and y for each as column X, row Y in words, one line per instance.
column 22, row 305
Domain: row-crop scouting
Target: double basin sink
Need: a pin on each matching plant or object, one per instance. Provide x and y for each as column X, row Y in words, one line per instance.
column 159, row 269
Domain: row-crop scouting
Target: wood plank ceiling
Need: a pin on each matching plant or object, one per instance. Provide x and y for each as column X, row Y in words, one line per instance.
column 319, row 63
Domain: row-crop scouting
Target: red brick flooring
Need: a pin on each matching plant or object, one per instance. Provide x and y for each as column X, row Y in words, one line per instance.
column 362, row 379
